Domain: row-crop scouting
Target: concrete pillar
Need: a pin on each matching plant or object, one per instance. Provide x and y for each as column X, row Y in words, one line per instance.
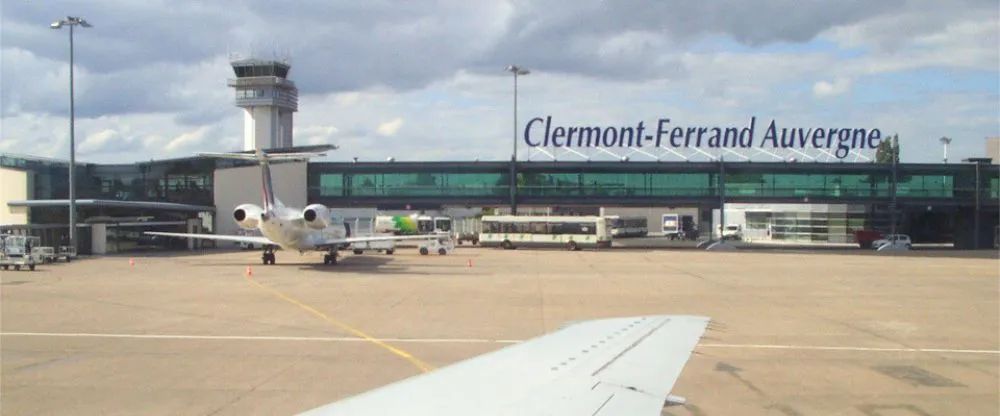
column 193, row 227
column 98, row 238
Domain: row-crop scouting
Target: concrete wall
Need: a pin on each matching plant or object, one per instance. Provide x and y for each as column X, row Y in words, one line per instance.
column 14, row 185
column 993, row 149
column 242, row 185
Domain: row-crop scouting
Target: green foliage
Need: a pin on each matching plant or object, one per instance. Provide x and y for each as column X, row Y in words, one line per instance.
column 887, row 150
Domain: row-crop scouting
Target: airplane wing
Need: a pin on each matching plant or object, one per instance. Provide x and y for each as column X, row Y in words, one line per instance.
column 340, row 241
column 619, row 366
column 236, row 238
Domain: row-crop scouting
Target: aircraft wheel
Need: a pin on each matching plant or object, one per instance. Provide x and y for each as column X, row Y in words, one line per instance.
column 423, row 251
column 31, row 267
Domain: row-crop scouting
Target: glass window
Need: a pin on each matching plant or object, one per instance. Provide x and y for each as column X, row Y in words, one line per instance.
column 427, row 184
column 443, row 225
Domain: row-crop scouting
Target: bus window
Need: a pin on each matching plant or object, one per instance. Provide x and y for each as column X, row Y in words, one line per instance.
column 425, row 226
column 442, row 224
column 538, row 228
column 492, row 227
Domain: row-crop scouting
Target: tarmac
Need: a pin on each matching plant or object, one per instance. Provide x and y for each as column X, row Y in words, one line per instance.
column 794, row 333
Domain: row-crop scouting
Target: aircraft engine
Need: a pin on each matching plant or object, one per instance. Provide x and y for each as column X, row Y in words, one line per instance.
column 247, row 216
column 317, row 216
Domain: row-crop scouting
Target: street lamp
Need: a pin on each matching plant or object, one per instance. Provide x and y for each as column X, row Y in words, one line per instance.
column 58, row 24
column 945, row 141
column 516, row 70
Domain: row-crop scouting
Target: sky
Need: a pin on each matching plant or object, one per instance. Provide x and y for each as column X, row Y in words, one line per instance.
column 425, row 80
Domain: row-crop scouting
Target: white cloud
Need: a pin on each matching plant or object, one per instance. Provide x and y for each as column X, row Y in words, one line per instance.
column 390, row 128
column 824, row 89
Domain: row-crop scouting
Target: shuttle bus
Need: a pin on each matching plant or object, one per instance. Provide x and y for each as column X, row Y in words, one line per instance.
column 628, row 226
column 570, row 232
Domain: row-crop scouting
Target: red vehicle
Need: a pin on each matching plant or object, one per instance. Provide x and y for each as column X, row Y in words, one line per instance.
column 865, row 238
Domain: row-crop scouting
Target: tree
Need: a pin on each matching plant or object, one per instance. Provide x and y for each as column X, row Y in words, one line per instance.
column 887, row 150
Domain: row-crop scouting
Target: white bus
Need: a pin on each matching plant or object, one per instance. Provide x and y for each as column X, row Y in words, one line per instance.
column 573, row 233
column 628, row 226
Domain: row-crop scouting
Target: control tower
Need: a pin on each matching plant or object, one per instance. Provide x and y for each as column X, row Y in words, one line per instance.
column 268, row 100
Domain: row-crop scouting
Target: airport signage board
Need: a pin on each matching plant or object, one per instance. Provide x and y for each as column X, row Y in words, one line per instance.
column 546, row 132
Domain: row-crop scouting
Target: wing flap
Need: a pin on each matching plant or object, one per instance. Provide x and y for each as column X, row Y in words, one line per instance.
column 638, row 367
column 605, row 367
column 235, row 238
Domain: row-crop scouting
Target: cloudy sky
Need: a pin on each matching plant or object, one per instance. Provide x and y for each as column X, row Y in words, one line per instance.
column 424, row 80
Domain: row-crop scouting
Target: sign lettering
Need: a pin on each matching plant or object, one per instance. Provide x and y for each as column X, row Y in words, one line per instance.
column 542, row 132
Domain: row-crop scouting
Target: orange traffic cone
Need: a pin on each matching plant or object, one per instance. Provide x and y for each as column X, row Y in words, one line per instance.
column 470, row 263
column 249, row 271
column 131, row 261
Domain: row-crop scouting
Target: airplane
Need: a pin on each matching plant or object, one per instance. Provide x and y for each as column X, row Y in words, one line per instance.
column 314, row 228
column 612, row 366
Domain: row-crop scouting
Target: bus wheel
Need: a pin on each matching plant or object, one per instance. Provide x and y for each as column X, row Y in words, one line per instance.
column 506, row 245
column 572, row 246
column 423, row 251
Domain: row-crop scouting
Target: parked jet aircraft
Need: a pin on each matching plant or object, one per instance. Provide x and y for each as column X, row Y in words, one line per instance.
column 618, row 366
column 314, row 228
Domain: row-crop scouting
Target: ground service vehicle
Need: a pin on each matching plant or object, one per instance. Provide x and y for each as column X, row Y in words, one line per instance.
column 412, row 224
column 570, row 232
column 628, row 226
column 16, row 252
column 419, row 225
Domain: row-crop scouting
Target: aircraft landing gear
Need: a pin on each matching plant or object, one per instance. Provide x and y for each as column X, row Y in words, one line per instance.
column 330, row 258
column 268, row 256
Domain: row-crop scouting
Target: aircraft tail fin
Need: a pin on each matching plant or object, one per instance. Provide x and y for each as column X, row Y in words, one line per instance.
column 264, row 158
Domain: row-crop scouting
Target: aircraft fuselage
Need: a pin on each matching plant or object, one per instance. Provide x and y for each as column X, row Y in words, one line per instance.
column 289, row 230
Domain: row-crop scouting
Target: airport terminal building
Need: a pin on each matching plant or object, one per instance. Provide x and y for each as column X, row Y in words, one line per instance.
column 780, row 201
column 770, row 201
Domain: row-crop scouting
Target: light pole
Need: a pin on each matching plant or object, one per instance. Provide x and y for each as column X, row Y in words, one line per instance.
column 945, row 141
column 58, row 24
column 516, row 70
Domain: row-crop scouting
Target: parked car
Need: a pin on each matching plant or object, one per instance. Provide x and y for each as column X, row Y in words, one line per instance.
column 893, row 238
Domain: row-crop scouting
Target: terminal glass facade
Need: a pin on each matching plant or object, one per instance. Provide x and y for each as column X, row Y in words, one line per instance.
column 180, row 181
column 562, row 184
column 856, row 182
column 424, row 184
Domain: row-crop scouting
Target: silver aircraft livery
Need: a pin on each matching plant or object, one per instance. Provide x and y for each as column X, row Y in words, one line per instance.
column 625, row 366
column 314, row 228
